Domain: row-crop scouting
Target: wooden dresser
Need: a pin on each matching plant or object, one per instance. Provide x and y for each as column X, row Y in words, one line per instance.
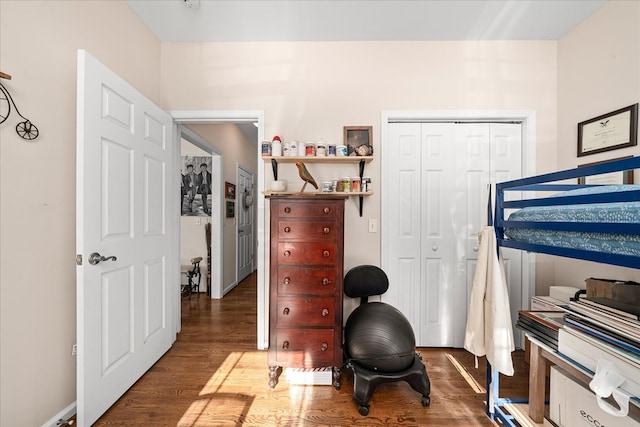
column 305, row 284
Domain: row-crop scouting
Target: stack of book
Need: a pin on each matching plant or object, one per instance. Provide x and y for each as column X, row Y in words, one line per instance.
column 542, row 325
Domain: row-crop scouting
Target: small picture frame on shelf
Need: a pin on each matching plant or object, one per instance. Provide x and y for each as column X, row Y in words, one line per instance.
column 611, row 131
column 358, row 140
column 611, row 178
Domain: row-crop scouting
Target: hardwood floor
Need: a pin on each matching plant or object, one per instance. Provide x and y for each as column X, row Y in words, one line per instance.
column 214, row 376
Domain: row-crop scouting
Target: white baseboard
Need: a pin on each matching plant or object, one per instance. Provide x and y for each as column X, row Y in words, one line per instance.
column 64, row 415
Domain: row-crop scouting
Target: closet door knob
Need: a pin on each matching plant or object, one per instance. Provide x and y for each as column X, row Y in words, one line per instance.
column 434, row 248
column 475, row 249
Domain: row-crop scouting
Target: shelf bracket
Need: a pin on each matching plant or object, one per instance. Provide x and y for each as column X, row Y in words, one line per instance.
column 274, row 166
column 360, row 197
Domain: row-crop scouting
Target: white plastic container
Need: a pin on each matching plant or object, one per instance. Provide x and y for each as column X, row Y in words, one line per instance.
column 276, row 148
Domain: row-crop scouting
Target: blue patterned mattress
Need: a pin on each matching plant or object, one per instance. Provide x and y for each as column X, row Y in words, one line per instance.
column 617, row 212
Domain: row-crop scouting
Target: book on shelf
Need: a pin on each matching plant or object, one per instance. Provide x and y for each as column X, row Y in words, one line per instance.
column 551, row 319
column 543, row 325
column 618, row 308
column 605, row 318
column 618, row 340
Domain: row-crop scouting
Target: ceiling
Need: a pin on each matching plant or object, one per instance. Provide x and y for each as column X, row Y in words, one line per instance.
column 360, row 20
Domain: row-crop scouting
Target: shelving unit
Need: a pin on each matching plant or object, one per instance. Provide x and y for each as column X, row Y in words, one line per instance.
column 359, row 160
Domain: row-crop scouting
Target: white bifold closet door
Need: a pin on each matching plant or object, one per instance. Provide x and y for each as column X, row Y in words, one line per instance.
column 434, row 206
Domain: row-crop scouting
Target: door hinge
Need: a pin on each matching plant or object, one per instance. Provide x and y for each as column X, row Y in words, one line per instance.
column 78, row 259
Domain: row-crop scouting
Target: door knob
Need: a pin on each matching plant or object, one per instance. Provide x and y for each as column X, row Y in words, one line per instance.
column 96, row 258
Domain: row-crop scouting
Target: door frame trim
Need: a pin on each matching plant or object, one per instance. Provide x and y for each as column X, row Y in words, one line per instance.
column 528, row 120
column 241, row 116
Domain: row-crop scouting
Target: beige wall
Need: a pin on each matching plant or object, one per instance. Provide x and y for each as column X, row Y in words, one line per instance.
column 309, row 91
column 38, row 44
column 598, row 72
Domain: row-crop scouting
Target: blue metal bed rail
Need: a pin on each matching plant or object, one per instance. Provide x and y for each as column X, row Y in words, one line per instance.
column 553, row 182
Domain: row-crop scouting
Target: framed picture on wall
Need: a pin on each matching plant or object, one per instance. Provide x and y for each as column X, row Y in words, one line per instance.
column 195, row 190
column 610, row 131
column 611, row 178
column 231, row 209
column 358, row 140
column 229, row 190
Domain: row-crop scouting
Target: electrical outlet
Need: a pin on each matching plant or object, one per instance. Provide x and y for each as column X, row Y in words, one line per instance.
column 74, row 350
column 373, row 225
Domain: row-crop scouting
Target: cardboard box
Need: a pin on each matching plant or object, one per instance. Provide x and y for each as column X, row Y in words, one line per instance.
column 628, row 292
column 572, row 404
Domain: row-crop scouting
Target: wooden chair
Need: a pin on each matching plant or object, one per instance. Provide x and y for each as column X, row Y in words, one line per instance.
column 193, row 275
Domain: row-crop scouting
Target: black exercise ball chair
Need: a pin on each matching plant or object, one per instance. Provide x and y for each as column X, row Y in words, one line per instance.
column 379, row 343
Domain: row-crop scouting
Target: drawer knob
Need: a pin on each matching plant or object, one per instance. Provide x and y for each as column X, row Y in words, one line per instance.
column 285, row 311
column 287, row 280
column 285, row 345
column 326, row 254
column 326, row 281
column 287, row 210
column 324, row 346
column 287, row 229
column 325, row 312
column 326, row 210
column 325, row 230
column 287, row 253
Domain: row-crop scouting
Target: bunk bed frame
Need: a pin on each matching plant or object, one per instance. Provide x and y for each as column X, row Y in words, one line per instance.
column 556, row 182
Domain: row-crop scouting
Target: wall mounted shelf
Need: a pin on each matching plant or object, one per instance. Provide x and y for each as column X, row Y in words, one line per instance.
column 360, row 160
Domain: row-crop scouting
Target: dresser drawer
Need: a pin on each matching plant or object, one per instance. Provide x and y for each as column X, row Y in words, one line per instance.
column 310, row 208
column 307, row 253
column 305, row 347
column 311, row 280
column 301, row 311
column 306, row 229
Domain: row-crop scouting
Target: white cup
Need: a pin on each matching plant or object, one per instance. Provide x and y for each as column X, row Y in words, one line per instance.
column 278, row 185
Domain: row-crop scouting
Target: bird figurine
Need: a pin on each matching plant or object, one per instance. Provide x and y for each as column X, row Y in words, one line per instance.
column 305, row 176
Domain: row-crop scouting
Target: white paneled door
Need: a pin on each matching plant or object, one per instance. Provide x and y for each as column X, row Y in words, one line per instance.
column 433, row 214
column 123, row 237
column 245, row 223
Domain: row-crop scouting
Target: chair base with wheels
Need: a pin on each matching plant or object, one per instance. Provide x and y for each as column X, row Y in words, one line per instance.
column 193, row 275
column 379, row 343
column 366, row 381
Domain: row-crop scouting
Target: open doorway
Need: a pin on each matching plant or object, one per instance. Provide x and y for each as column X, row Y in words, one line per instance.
column 254, row 118
column 201, row 172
